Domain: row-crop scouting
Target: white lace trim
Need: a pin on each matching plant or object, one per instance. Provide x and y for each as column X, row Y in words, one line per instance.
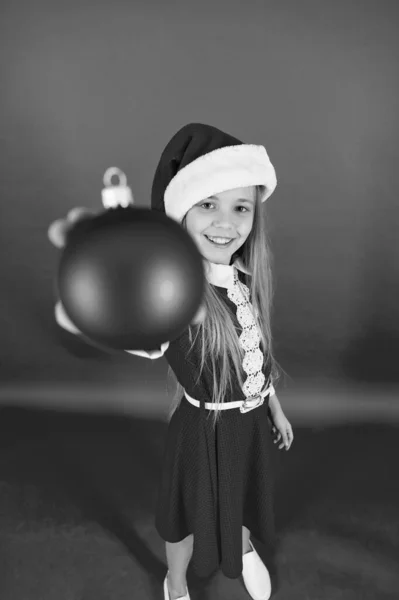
column 249, row 339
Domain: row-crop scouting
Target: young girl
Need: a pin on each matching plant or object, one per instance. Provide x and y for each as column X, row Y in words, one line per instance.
column 217, row 481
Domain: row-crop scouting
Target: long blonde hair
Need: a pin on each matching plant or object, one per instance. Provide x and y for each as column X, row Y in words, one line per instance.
column 218, row 332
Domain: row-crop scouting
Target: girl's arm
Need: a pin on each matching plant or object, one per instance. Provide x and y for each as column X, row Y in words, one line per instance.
column 274, row 403
column 65, row 322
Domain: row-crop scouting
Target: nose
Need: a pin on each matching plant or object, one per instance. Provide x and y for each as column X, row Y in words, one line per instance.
column 223, row 222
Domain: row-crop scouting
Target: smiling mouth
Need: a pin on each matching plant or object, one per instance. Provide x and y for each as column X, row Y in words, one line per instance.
column 216, row 245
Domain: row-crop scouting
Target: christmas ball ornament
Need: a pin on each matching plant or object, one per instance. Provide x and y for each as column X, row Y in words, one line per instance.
column 130, row 278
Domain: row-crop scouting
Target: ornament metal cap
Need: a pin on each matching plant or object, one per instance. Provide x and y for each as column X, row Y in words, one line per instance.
column 116, row 195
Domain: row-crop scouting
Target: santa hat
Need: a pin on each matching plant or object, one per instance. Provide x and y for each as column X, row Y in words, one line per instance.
column 201, row 161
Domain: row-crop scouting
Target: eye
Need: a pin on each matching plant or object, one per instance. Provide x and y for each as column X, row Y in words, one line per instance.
column 204, row 203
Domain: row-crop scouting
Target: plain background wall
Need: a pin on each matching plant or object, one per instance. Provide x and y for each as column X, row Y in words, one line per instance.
column 86, row 86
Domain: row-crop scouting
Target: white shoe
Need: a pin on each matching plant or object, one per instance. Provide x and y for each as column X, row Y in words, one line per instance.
column 166, row 591
column 256, row 576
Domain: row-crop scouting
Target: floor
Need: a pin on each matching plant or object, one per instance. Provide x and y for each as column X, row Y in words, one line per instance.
column 77, row 497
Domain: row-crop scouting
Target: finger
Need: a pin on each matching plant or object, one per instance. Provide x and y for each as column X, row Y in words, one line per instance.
column 285, row 438
column 279, row 440
column 57, row 233
column 78, row 213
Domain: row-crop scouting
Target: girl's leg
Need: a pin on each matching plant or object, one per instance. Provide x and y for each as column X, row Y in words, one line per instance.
column 178, row 556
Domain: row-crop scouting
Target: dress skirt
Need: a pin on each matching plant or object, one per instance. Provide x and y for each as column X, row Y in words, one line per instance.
column 214, row 481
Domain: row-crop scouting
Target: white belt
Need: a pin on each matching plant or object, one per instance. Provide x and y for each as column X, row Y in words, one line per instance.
column 244, row 405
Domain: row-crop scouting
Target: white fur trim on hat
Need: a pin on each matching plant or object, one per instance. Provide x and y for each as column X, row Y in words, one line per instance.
column 218, row 171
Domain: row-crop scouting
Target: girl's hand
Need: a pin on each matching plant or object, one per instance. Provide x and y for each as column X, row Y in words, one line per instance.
column 59, row 229
column 199, row 316
column 282, row 430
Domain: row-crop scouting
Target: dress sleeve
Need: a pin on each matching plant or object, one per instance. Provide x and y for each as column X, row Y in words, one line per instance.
column 65, row 322
column 152, row 354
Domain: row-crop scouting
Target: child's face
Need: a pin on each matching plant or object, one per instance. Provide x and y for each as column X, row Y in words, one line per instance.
column 228, row 214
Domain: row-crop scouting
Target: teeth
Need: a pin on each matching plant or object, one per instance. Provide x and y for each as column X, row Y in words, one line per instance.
column 220, row 240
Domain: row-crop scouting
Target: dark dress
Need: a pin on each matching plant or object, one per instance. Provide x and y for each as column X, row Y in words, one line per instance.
column 215, row 481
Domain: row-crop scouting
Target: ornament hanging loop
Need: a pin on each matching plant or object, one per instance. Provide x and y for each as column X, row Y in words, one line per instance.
column 116, row 195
